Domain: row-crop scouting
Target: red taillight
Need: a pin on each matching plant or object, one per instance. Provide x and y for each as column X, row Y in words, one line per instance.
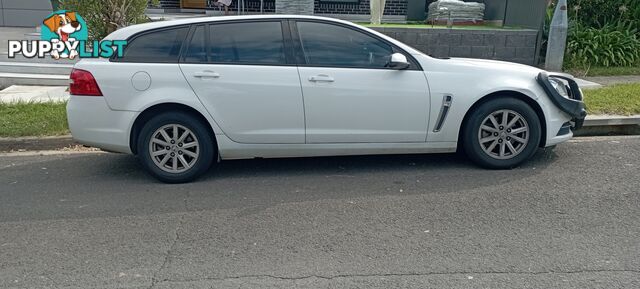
column 83, row 83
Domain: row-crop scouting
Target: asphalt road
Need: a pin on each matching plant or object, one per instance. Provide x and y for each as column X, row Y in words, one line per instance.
column 568, row 219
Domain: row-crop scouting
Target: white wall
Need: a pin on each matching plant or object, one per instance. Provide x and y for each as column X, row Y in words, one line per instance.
column 24, row 13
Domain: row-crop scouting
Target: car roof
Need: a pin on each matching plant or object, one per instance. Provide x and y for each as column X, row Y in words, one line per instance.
column 128, row 31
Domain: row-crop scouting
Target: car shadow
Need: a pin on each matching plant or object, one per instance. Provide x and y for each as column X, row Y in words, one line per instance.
column 126, row 168
column 355, row 165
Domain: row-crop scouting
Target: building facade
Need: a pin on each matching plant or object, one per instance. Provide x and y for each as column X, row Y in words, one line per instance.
column 516, row 45
column 355, row 7
column 521, row 13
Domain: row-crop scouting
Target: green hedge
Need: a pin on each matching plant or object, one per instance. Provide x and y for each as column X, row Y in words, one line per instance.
column 598, row 13
column 603, row 33
column 610, row 45
column 106, row 16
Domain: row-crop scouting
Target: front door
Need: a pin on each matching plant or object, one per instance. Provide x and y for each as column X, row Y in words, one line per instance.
column 245, row 81
column 350, row 96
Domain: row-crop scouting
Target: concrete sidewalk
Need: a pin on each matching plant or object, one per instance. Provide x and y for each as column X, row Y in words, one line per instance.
column 20, row 93
column 585, row 84
column 594, row 82
column 15, row 33
column 19, row 70
column 24, row 33
column 611, row 80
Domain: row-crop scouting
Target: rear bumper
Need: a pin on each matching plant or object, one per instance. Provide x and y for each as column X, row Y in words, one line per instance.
column 92, row 122
column 573, row 106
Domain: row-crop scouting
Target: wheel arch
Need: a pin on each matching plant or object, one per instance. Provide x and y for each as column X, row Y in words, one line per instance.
column 156, row 109
column 508, row 94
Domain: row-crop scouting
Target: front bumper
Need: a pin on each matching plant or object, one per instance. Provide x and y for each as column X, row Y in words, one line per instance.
column 573, row 106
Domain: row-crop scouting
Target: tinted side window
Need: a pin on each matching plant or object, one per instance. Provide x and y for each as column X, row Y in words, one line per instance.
column 157, row 46
column 247, row 43
column 337, row 46
column 197, row 50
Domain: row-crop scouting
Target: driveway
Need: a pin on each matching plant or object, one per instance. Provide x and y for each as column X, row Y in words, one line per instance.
column 568, row 219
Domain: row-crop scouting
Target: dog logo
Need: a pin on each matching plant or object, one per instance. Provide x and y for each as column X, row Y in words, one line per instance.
column 66, row 27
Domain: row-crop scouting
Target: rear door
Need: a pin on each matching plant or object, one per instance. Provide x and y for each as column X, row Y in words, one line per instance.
column 244, row 74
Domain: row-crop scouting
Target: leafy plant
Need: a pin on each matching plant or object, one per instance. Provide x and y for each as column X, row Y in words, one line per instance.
column 598, row 13
column 603, row 33
column 106, row 16
column 610, row 45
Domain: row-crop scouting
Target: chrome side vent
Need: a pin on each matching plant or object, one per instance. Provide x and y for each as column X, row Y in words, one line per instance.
column 444, row 111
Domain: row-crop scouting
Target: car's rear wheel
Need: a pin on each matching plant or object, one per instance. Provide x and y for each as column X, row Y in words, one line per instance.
column 175, row 147
column 502, row 133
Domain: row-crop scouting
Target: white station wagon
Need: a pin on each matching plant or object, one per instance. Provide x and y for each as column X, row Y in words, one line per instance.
column 188, row 93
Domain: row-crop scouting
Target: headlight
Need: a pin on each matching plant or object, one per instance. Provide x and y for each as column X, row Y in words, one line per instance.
column 560, row 86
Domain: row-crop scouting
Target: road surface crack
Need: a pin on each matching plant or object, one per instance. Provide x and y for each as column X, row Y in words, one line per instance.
column 339, row 276
column 167, row 255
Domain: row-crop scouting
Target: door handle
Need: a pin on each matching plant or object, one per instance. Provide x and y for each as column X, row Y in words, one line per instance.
column 321, row 78
column 206, row 74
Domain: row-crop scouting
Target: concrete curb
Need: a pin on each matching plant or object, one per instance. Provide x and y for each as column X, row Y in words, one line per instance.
column 36, row 143
column 610, row 120
column 598, row 125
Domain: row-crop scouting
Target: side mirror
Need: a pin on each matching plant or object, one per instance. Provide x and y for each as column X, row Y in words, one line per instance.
column 399, row 62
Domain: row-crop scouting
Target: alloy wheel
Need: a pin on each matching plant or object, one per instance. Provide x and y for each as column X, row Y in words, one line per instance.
column 174, row 148
column 503, row 134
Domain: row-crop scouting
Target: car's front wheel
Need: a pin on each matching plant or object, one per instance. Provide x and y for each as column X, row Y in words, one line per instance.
column 175, row 147
column 502, row 133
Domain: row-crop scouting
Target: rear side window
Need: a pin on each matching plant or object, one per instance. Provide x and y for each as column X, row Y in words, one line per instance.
column 158, row 46
column 259, row 43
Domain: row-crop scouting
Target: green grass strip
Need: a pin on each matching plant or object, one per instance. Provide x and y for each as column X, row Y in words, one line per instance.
column 621, row 99
column 33, row 119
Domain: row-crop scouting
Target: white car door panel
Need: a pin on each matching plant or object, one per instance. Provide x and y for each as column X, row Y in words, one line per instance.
column 364, row 105
column 266, row 109
column 244, row 81
column 350, row 93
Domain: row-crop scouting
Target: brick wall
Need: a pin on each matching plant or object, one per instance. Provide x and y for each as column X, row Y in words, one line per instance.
column 170, row 3
column 393, row 7
column 298, row 7
column 250, row 5
column 508, row 45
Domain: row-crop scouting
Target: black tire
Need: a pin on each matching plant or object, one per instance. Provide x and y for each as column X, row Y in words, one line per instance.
column 206, row 147
column 482, row 155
